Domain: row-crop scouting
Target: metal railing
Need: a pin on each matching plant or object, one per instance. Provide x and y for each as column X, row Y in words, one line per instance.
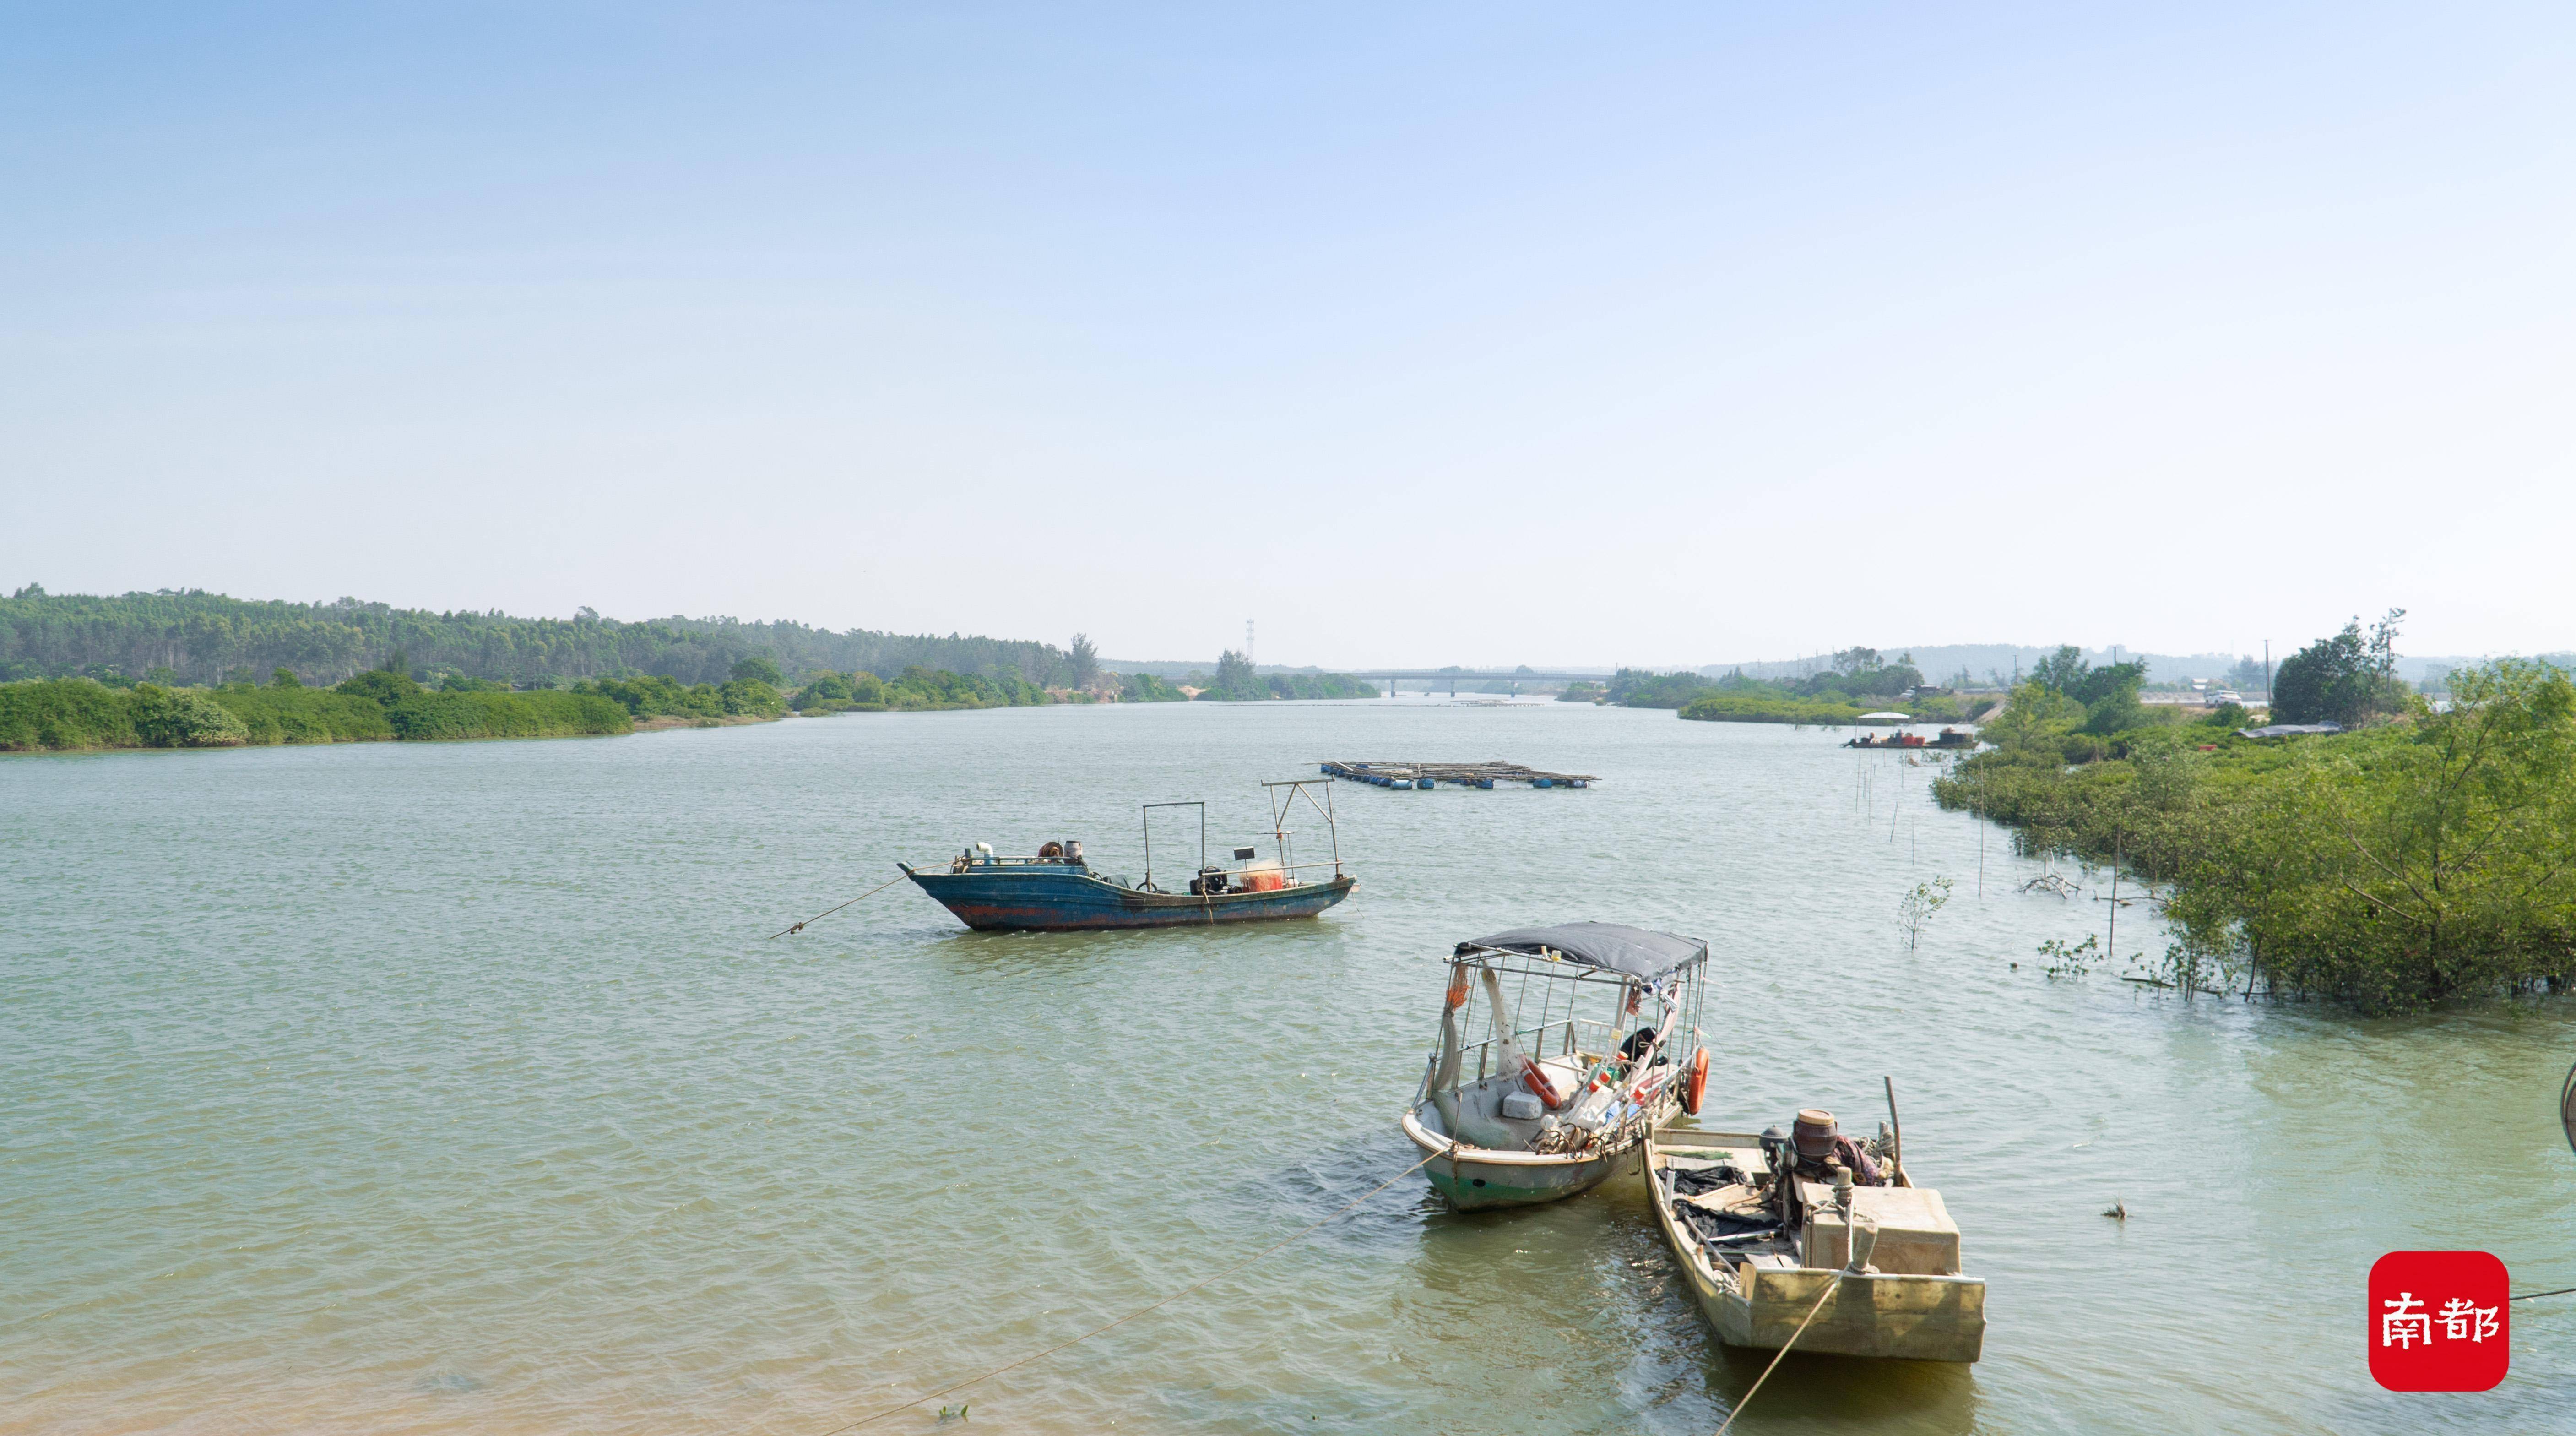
column 1564, row 1031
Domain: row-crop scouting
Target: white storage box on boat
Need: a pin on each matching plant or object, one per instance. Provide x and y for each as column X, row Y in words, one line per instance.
column 1522, row 1105
column 1915, row 1234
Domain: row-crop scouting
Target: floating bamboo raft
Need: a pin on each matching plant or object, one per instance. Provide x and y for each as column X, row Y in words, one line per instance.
column 1465, row 775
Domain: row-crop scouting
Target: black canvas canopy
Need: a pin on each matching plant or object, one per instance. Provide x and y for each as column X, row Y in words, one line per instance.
column 1610, row 946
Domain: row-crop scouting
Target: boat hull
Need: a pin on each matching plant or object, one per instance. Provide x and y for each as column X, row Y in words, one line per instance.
column 1474, row 1178
column 1070, row 900
column 1908, row 1318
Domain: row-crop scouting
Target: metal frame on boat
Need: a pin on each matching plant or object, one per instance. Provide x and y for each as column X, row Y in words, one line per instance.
column 1058, row 891
column 1556, row 1102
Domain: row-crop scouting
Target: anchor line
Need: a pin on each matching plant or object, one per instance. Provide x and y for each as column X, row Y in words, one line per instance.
column 1140, row 1311
column 818, row 917
column 1830, row 1288
column 2528, row 1295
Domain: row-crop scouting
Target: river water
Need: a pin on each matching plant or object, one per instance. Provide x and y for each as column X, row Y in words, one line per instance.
column 447, row 1088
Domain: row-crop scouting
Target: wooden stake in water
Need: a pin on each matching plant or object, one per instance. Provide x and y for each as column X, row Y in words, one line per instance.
column 2112, row 949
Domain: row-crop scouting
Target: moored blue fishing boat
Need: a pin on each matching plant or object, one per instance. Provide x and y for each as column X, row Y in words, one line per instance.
column 1057, row 890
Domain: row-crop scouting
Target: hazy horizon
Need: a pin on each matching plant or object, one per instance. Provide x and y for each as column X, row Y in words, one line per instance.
column 1445, row 335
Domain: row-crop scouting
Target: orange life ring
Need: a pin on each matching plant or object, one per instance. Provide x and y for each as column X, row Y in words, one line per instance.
column 1534, row 1077
column 1697, row 1086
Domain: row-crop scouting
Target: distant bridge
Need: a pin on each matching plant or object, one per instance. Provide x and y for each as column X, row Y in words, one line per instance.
column 1434, row 677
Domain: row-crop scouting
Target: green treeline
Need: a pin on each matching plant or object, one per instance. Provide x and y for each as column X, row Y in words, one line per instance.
column 1146, row 688
column 648, row 696
column 205, row 639
column 1858, row 676
column 1859, row 681
column 79, row 713
column 1642, row 688
column 2427, row 857
column 916, row 689
column 919, row 689
column 1726, row 707
column 1236, row 681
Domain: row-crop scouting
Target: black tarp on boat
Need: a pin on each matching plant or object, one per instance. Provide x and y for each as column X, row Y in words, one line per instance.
column 1610, row 946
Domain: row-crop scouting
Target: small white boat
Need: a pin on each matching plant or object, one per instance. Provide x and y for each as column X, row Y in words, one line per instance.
column 1829, row 1267
column 1558, row 1098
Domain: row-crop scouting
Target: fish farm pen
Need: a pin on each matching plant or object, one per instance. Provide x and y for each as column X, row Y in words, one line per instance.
column 1465, row 775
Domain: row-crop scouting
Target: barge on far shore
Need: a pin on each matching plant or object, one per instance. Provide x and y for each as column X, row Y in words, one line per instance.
column 1464, row 775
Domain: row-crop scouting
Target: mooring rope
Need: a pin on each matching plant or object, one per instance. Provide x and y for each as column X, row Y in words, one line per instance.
column 1830, row 1288
column 818, row 917
column 1140, row 1311
column 2528, row 1295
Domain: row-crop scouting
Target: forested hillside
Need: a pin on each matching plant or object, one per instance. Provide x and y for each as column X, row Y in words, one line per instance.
column 204, row 638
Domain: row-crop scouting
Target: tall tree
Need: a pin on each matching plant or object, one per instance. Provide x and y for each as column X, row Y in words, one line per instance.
column 2347, row 679
column 2062, row 671
column 1086, row 660
column 1234, row 676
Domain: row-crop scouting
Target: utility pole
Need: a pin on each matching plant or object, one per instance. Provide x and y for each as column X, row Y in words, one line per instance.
column 2267, row 676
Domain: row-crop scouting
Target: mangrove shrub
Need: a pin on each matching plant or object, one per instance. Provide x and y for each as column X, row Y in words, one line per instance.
column 2429, row 858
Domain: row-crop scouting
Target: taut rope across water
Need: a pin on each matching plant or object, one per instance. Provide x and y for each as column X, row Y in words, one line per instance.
column 827, row 912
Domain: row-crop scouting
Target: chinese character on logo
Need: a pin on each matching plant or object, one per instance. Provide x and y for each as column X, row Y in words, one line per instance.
column 2439, row 1321
column 2405, row 1323
column 2464, row 1321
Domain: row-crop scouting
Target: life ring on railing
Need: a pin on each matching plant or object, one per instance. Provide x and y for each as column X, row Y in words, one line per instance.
column 1697, row 1086
column 1534, row 1077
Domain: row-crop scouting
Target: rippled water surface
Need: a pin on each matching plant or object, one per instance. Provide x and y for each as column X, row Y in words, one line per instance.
column 455, row 1088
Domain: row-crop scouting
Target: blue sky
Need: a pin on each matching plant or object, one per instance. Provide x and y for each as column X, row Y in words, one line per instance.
column 1476, row 334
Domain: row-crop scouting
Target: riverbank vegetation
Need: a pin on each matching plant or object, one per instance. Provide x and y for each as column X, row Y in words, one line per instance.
column 376, row 706
column 661, row 669
column 748, row 695
column 1236, row 681
column 1146, row 688
column 1859, row 681
column 915, row 690
column 1740, row 707
column 1644, row 688
column 2427, row 857
column 2348, row 679
column 205, row 639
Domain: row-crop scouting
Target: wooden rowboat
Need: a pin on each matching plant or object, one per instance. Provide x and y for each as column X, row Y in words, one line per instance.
column 1758, row 1276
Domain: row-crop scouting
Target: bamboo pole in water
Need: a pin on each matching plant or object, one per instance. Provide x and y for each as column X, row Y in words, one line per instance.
column 2112, row 950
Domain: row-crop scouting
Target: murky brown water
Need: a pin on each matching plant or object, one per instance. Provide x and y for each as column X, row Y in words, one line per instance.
column 452, row 1088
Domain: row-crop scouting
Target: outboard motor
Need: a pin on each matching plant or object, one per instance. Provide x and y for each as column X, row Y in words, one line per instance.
column 1781, row 1156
